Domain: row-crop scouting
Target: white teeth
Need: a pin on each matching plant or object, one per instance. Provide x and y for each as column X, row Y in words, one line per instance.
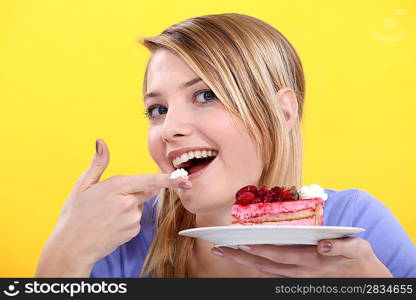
column 184, row 157
column 192, row 154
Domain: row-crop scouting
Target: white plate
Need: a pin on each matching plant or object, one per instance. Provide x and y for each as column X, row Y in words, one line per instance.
column 232, row 236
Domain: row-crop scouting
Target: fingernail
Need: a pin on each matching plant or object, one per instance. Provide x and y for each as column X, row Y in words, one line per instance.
column 185, row 185
column 244, row 247
column 98, row 147
column 217, row 252
column 326, row 246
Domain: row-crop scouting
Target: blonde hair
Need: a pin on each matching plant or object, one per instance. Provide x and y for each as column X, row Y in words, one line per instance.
column 244, row 61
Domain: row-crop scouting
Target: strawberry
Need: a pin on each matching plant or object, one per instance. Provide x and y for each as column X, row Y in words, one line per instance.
column 270, row 197
column 273, row 195
column 262, row 192
column 286, row 195
column 250, row 194
column 247, row 188
column 276, row 189
column 247, row 198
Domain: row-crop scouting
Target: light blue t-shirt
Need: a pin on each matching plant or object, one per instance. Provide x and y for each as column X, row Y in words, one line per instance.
column 351, row 208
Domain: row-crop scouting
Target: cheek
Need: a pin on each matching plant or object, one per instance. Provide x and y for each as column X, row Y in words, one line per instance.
column 235, row 140
column 242, row 158
column 238, row 150
column 222, row 129
column 155, row 147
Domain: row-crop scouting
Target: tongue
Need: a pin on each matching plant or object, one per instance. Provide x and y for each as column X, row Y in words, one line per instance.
column 199, row 165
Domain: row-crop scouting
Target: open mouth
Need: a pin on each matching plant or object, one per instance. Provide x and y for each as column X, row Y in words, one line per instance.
column 196, row 164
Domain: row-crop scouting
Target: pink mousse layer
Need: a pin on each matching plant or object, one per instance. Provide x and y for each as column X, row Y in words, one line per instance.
column 256, row 210
column 300, row 222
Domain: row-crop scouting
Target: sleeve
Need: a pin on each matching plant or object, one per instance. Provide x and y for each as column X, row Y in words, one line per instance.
column 389, row 240
column 109, row 266
column 127, row 260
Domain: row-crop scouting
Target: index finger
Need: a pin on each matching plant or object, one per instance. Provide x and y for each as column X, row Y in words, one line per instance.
column 131, row 184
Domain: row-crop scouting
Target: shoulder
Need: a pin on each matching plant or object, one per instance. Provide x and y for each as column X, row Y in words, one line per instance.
column 351, row 207
column 341, row 206
column 128, row 258
column 349, row 197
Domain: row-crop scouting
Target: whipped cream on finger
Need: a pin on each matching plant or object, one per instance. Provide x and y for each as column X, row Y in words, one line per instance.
column 179, row 173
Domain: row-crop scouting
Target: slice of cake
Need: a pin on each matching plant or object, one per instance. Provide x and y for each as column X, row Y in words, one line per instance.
column 279, row 206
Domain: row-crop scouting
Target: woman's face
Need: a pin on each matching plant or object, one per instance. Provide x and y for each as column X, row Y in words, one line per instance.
column 192, row 116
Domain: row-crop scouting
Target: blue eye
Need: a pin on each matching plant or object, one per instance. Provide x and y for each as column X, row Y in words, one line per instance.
column 159, row 109
column 208, row 96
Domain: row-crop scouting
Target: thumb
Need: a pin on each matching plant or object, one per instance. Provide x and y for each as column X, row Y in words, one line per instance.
column 350, row 247
column 97, row 167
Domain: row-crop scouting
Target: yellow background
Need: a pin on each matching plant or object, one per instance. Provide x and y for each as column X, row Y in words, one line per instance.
column 71, row 71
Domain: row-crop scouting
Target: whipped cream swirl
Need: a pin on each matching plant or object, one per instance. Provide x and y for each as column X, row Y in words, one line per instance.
column 312, row 191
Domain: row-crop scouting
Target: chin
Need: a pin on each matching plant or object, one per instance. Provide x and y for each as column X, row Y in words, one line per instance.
column 206, row 207
column 192, row 206
column 197, row 207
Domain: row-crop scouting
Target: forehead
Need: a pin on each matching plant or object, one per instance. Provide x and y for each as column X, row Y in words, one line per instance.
column 165, row 66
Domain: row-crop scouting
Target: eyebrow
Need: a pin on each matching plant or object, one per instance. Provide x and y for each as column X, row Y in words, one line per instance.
column 182, row 86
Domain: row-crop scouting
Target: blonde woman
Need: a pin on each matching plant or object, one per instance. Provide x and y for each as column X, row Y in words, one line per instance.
column 231, row 85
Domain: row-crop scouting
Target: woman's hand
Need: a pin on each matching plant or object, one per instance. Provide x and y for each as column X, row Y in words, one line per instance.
column 98, row 217
column 346, row 257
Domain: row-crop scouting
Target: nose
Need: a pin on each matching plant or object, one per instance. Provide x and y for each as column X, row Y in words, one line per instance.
column 176, row 125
